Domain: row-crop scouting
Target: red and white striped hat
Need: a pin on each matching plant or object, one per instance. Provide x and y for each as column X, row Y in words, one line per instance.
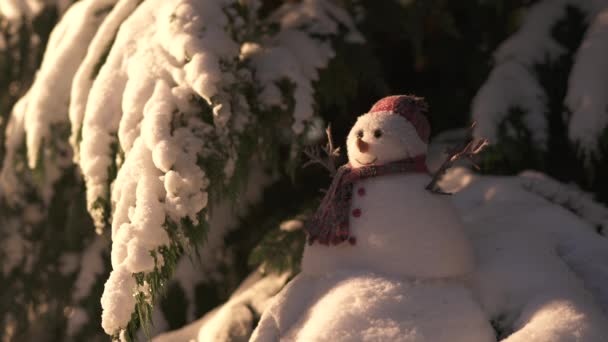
column 411, row 107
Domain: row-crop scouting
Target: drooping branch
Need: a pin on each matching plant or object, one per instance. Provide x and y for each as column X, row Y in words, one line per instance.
column 472, row 147
column 325, row 156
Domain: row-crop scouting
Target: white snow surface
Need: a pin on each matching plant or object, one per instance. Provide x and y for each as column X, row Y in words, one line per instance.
column 539, row 265
column 587, row 86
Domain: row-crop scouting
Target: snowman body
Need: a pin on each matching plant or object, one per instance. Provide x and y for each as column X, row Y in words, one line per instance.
column 404, row 278
column 402, row 230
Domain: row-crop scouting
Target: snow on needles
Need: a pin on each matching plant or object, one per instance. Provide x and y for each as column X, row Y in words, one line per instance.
column 153, row 96
column 512, row 84
column 587, row 86
column 294, row 55
column 50, row 92
column 16, row 10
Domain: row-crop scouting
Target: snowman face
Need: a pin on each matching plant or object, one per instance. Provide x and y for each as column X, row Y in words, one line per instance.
column 380, row 138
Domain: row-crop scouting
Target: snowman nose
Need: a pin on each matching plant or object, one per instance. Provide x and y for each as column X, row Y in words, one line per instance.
column 362, row 145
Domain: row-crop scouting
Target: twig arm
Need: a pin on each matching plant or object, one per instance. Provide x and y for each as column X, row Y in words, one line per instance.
column 472, row 147
column 325, row 156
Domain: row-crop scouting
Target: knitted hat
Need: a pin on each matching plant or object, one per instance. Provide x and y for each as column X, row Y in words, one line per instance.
column 411, row 107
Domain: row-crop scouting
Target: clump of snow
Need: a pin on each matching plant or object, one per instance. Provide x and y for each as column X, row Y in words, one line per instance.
column 587, row 87
column 533, row 42
column 509, row 86
column 83, row 79
column 117, row 300
column 294, row 55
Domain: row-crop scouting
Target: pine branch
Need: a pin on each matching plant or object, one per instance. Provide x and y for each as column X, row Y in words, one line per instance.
column 325, row 156
column 472, row 147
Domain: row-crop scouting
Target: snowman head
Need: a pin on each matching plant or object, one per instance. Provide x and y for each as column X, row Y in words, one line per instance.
column 395, row 128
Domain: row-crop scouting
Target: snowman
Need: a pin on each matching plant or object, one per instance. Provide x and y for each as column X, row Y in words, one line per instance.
column 386, row 260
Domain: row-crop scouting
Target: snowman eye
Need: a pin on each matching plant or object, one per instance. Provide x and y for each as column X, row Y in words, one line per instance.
column 360, row 134
column 377, row 133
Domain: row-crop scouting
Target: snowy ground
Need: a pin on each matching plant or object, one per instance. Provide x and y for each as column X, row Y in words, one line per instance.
column 541, row 268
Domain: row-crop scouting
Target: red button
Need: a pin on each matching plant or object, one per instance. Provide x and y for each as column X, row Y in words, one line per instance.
column 357, row 212
column 361, row 191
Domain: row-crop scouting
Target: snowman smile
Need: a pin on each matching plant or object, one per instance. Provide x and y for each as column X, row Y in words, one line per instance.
column 368, row 163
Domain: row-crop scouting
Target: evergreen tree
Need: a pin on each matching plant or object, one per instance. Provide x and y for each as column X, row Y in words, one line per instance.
column 151, row 157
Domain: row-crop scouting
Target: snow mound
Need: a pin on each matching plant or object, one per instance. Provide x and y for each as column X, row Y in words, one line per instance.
column 360, row 306
column 531, row 276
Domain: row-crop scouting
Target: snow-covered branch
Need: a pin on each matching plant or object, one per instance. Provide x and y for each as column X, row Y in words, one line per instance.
column 162, row 105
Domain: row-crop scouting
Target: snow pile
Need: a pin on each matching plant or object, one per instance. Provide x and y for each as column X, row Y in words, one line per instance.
column 530, row 252
column 587, row 86
column 363, row 306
